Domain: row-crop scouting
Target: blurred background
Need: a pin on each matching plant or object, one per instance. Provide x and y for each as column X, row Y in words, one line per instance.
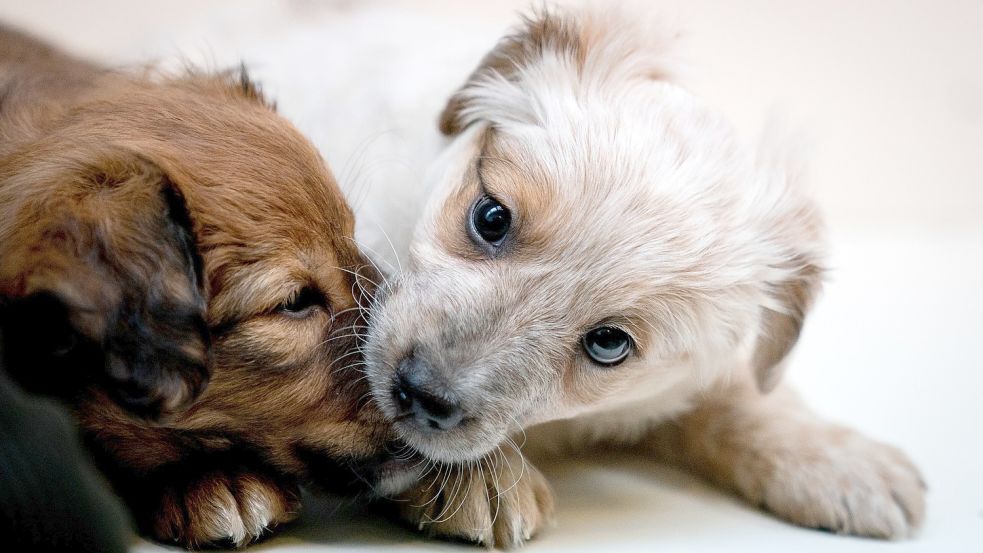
column 888, row 94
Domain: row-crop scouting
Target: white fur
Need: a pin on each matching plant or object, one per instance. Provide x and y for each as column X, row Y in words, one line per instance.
column 657, row 216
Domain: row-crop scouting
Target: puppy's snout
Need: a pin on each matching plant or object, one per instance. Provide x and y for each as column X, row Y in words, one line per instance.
column 422, row 398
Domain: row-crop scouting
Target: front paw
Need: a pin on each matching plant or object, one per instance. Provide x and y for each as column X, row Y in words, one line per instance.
column 500, row 501
column 839, row 480
column 222, row 508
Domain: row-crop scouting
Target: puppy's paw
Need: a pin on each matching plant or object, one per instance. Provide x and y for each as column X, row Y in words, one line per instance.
column 219, row 508
column 503, row 501
column 841, row 481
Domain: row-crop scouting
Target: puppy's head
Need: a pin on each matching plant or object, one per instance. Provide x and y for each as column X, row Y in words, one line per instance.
column 267, row 261
column 286, row 280
column 596, row 237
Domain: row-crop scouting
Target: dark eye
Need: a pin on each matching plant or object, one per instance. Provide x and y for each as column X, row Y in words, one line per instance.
column 607, row 345
column 302, row 304
column 491, row 220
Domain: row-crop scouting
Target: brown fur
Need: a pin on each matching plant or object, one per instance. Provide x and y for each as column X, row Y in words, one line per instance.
column 185, row 209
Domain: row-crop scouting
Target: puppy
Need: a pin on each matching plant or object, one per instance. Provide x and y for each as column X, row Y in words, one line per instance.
column 600, row 261
column 154, row 231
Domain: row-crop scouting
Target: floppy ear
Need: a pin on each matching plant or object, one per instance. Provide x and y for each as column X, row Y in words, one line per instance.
column 780, row 327
column 593, row 44
column 538, row 34
column 501, row 61
column 104, row 286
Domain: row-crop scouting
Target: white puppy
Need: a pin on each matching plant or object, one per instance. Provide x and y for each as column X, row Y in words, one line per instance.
column 599, row 260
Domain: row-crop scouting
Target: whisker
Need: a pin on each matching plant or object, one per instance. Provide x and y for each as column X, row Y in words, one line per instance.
column 449, row 499
column 393, row 248
column 376, row 255
column 521, row 429
column 494, row 474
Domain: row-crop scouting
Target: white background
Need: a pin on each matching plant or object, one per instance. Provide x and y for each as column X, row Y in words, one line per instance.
column 891, row 95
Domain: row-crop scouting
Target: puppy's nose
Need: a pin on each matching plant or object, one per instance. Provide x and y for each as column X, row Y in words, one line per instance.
column 415, row 397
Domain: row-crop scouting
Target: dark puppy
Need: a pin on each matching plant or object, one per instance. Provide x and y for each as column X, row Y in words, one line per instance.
column 153, row 230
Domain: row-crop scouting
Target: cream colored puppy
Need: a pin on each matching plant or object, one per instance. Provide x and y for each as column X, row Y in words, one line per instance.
column 599, row 251
column 599, row 260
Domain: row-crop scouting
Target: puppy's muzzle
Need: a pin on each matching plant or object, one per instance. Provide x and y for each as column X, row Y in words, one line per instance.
column 422, row 398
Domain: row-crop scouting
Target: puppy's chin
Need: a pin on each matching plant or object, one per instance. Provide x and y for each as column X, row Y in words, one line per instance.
column 468, row 443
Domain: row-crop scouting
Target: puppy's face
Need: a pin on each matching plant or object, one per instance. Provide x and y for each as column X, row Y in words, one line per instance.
column 274, row 264
column 284, row 279
column 595, row 238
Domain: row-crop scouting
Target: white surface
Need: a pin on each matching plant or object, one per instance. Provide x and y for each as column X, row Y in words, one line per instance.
column 891, row 94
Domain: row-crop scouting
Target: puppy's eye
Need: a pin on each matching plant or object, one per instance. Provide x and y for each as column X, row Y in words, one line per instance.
column 490, row 220
column 607, row 345
column 303, row 303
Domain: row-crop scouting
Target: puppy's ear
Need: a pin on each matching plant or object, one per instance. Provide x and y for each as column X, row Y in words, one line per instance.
column 591, row 46
column 157, row 351
column 105, row 288
column 538, row 34
column 782, row 323
column 796, row 268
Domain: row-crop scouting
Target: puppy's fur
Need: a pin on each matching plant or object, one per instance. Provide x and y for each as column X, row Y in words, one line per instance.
column 120, row 270
column 154, row 230
column 634, row 206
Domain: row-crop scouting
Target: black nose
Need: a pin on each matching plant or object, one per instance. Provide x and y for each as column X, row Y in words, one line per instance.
column 417, row 396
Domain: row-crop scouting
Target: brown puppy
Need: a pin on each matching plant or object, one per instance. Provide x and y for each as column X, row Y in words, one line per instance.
column 172, row 227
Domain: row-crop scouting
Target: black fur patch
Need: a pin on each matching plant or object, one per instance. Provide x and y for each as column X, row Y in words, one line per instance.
column 145, row 347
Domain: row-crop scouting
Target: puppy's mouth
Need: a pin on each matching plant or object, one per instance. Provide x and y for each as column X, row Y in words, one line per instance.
column 437, row 428
column 469, row 440
column 412, row 423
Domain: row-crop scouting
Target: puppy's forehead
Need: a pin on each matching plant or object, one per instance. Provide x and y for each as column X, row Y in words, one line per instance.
column 639, row 194
column 629, row 209
column 577, row 212
column 234, row 154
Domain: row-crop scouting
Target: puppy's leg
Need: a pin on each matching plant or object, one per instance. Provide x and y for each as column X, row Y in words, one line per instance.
column 778, row 455
column 186, row 487
column 221, row 507
column 501, row 500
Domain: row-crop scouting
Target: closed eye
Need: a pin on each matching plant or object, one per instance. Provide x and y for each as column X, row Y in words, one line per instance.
column 304, row 303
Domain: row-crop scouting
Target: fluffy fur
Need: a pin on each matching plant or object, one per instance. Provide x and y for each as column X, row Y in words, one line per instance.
column 634, row 205
column 156, row 231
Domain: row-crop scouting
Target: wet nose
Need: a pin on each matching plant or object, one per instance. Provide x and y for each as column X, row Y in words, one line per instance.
column 417, row 397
